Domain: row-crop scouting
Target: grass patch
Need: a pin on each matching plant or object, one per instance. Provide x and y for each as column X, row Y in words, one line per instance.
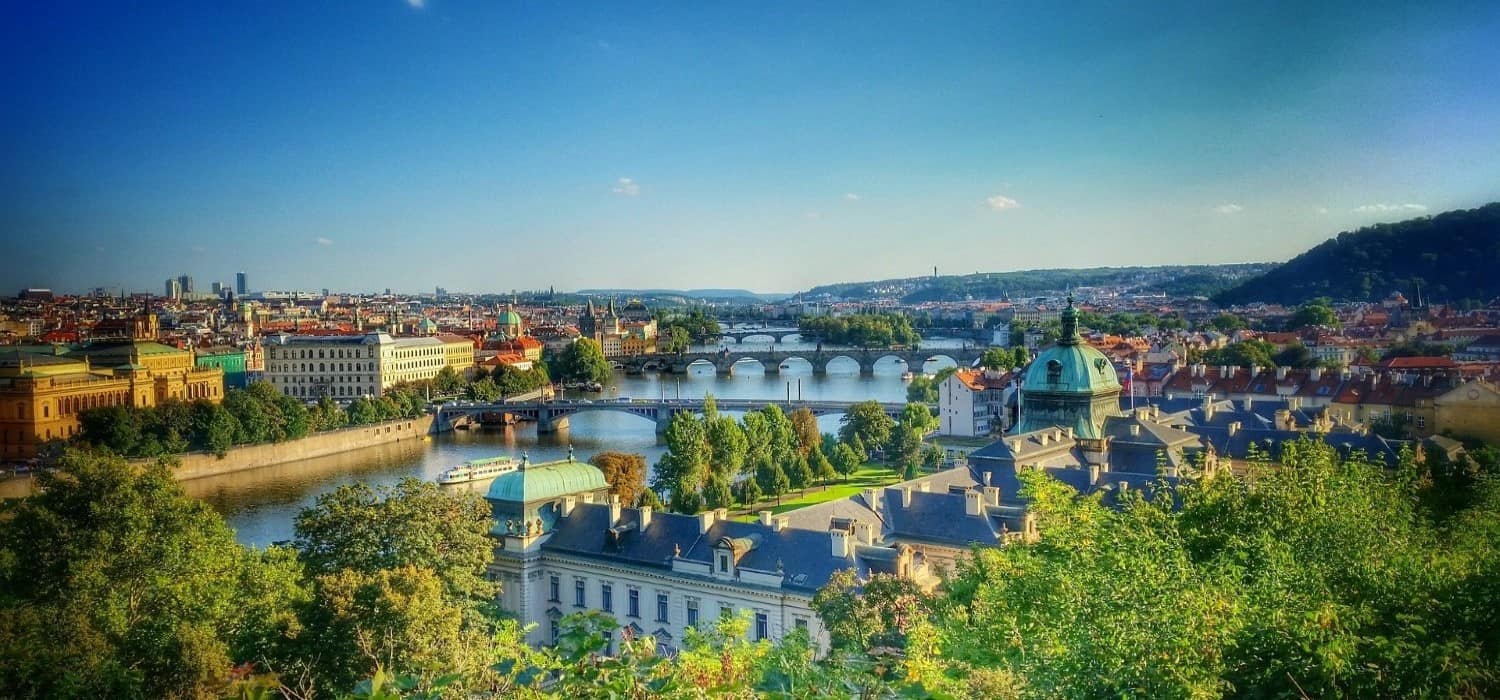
column 871, row 476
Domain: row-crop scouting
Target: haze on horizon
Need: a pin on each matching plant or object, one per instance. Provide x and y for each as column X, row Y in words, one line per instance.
column 497, row 146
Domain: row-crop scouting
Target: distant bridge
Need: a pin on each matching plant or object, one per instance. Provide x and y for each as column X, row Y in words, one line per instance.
column 779, row 335
column 723, row 360
column 551, row 416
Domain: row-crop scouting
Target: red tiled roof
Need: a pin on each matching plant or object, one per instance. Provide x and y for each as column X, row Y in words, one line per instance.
column 1437, row 362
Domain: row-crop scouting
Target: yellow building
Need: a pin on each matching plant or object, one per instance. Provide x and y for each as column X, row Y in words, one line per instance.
column 42, row 396
column 1470, row 410
column 458, row 352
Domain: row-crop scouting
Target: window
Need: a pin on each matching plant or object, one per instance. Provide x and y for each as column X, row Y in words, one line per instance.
column 578, row 594
column 555, row 589
column 725, row 610
column 607, row 597
column 609, row 641
column 634, row 609
column 724, row 563
column 760, row 626
column 692, row 612
column 661, row 607
column 1421, row 422
column 801, row 623
column 555, row 635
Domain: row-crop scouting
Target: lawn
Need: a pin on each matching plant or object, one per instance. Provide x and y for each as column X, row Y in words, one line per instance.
column 871, row 476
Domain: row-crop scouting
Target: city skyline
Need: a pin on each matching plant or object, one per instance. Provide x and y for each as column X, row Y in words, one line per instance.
column 485, row 148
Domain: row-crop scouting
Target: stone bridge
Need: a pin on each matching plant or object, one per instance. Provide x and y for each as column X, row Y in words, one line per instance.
column 551, row 416
column 779, row 335
column 771, row 360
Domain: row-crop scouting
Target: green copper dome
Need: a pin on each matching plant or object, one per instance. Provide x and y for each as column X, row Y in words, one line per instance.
column 540, row 482
column 509, row 318
column 1069, row 385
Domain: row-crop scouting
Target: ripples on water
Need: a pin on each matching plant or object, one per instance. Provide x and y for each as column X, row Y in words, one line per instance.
column 261, row 504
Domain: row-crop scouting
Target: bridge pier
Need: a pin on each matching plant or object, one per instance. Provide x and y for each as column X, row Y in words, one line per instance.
column 547, row 423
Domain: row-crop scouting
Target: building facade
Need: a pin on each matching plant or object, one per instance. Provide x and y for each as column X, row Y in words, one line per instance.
column 42, row 396
column 345, row 367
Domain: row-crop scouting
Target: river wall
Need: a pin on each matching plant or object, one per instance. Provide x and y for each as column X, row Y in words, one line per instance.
column 200, row 464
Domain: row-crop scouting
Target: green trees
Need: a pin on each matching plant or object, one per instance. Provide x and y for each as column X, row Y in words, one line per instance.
column 694, row 326
column 1247, row 353
column 114, row 583
column 1320, row 578
column 846, row 460
column 866, row 330
column 867, row 422
column 998, row 359
column 448, row 380
column 484, row 389
column 805, row 431
column 412, row 523
column 1315, row 313
column 683, row 469
column 512, row 381
column 625, row 473
column 583, row 361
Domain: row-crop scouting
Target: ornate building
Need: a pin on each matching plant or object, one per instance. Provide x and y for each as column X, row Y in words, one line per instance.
column 42, row 396
column 1070, row 385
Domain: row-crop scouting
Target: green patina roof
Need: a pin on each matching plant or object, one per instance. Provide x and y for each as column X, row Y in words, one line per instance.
column 540, row 482
column 509, row 318
column 1071, row 366
column 125, row 349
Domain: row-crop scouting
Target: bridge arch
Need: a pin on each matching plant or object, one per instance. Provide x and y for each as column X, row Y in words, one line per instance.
column 796, row 365
column 743, row 364
column 890, row 363
column 839, row 364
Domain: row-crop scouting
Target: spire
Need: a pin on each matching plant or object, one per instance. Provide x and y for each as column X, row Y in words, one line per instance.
column 1069, row 324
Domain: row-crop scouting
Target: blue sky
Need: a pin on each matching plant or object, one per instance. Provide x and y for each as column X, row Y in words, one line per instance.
column 487, row 146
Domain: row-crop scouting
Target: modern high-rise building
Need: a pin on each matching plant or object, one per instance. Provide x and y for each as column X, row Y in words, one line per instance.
column 186, row 282
column 241, row 288
column 173, row 288
column 217, row 288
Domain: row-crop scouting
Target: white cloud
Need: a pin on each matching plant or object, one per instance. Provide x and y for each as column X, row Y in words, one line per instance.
column 626, row 187
column 1001, row 202
column 1322, row 210
column 604, row 45
column 417, row 4
column 1230, row 208
column 851, row 196
column 324, row 241
column 1389, row 208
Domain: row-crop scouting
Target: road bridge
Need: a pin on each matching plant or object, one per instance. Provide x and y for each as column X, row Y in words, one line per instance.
column 551, row 416
column 724, row 360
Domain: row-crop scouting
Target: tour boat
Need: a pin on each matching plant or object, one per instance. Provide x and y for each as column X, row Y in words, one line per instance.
column 907, row 376
column 477, row 470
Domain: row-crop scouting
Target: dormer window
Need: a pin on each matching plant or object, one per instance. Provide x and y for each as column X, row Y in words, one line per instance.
column 724, row 563
column 1054, row 370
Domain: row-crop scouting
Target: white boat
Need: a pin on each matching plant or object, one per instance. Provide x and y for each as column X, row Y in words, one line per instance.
column 907, row 376
column 477, row 470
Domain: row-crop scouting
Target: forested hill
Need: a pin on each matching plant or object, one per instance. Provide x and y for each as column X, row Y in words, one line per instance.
column 1174, row 280
column 1454, row 257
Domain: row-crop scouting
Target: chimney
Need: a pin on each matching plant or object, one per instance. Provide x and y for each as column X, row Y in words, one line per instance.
column 906, row 497
column 1093, row 475
column 973, row 503
column 1208, row 406
column 1135, row 429
column 614, row 508
column 872, row 499
column 1046, row 438
column 924, row 487
column 567, row 505
column 992, row 495
column 840, row 541
column 721, row 515
column 1070, row 432
column 1374, row 380
column 765, row 517
column 988, row 477
column 1249, row 401
column 864, row 533
column 1280, row 373
column 645, row 517
column 1316, row 374
column 779, row 524
column 1234, row 428
column 705, row 521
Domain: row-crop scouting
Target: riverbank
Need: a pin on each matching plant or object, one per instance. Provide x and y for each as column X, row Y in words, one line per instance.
column 196, row 465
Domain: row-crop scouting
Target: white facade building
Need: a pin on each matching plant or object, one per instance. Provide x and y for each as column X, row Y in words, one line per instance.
column 971, row 403
column 344, row 367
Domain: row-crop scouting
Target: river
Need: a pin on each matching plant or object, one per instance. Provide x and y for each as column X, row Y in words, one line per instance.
column 261, row 504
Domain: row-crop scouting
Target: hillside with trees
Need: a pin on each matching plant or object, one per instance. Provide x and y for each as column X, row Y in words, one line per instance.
column 1451, row 257
column 1175, row 280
